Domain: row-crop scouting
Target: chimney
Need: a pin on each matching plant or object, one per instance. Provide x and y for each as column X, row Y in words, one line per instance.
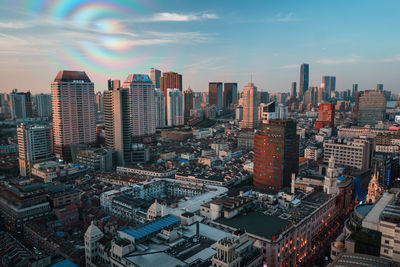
column 293, row 183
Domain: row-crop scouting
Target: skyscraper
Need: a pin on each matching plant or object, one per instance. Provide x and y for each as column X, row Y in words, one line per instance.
column 230, row 94
column 329, row 85
column 34, row 146
column 141, row 93
column 175, row 107
column 355, row 90
column 370, row 107
column 293, row 91
column 304, row 79
column 155, row 76
column 379, row 87
column 215, row 96
column 263, row 97
column 159, row 108
column 187, row 103
column 276, row 154
column 21, row 105
column 43, row 105
column 99, row 102
column 117, row 121
column 250, row 107
column 72, row 94
column 170, row 80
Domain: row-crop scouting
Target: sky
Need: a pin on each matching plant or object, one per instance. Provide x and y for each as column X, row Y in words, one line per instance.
column 264, row 41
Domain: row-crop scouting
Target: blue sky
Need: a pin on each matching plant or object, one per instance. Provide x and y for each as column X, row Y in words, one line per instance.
column 357, row 41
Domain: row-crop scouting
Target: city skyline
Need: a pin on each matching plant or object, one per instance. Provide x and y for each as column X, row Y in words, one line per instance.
column 110, row 39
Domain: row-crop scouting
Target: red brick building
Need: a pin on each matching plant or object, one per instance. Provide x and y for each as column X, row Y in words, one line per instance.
column 326, row 116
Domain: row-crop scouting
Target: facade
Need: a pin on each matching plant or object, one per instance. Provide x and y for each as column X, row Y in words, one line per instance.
column 304, row 79
column 250, row 107
column 159, row 108
column 117, row 122
column 215, row 95
column 96, row 159
column 21, row 105
column 312, row 153
column 276, row 154
column 230, row 94
column 142, row 106
column 326, row 116
column 355, row 154
column 170, row 80
column 187, row 103
column 43, row 105
column 370, row 107
column 267, row 111
column 155, row 76
column 34, row 146
column 175, row 107
column 293, row 90
column 74, row 121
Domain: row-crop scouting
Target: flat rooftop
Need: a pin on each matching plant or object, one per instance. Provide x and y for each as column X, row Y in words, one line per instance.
column 372, row 219
column 257, row 223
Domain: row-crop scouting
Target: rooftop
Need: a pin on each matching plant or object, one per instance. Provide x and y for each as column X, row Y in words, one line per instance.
column 71, row 76
column 257, row 223
column 138, row 78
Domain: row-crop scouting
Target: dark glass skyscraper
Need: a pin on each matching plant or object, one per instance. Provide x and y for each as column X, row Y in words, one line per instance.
column 304, row 79
column 276, row 154
column 230, row 94
column 293, row 91
column 215, row 94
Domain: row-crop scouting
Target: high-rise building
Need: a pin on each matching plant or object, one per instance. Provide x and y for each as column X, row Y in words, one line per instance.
column 329, row 85
column 263, row 97
column 267, row 112
column 197, row 100
column 355, row 90
column 230, row 94
column 215, row 95
column 379, row 87
column 304, row 79
column 43, row 105
column 370, row 107
column 187, row 103
column 159, row 108
column 175, row 107
column 99, row 105
column 34, row 146
column 72, row 94
column 170, row 80
column 326, row 116
column 117, row 121
column 155, row 76
column 276, row 154
column 21, row 105
column 141, row 93
column 250, row 107
column 293, row 91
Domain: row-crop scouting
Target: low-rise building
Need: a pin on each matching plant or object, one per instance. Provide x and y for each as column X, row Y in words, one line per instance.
column 96, row 159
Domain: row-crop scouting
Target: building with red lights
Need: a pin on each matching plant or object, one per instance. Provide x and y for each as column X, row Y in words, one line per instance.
column 276, row 154
column 326, row 116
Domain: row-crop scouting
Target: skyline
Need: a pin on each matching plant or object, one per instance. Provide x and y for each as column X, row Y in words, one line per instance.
column 268, row 41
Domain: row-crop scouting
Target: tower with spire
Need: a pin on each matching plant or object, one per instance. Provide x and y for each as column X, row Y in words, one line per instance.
column 330, row 181
column 374, row 190
column 92, row 236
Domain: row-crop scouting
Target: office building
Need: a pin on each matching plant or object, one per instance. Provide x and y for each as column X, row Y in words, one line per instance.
column 293, row 90
column 97, row 159
column 263, row 97
column 142, row 106
column 43, row 105
column 329, row 86
column 230, row 94
column 72, row 94
column 354, row 154
column 304, row 79
column 117, row 121
column 175, row 107
column 21, row 105
column 159, row 108
column 33, row 146
column 276, row 154
column 215, row 95
column 354, row 90
column 250, row 107
column 379, row 87
column 99, row 105
column 370, row 107
column 170, row 80
column 267, row 112
column 155, row 76
column 187, row 103
column 326, row 116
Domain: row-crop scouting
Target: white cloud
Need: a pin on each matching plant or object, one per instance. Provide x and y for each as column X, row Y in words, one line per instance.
column 391, row 59
column 166, row 16
column 15, row 25
column 333, row 61
column 291, row 66
column 281, row 17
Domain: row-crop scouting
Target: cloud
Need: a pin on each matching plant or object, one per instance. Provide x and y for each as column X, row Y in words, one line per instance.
column 15, row 25
column 166, row 16
column 344, row 60
column 289, row 17
column 389, row 60
column 291, row 66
